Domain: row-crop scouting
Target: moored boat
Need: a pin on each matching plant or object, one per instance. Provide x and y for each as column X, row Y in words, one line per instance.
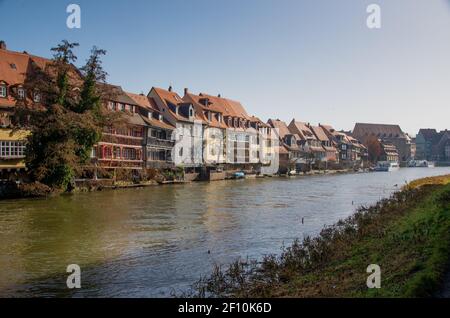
column 239, row 175
column 385, row 166
column 420, row 164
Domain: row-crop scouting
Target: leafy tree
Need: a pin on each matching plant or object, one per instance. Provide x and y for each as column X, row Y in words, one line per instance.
column 93, row 74
column 64, row 132
column 62, row 60
column 374, row 149
column 90, row 104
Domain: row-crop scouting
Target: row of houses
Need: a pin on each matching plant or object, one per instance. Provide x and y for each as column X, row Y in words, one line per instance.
column 432, row 145
column 200, row 133
column 203, row 134
column 303, row 146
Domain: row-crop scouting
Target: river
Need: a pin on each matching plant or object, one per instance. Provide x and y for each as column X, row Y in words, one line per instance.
column 152, row 241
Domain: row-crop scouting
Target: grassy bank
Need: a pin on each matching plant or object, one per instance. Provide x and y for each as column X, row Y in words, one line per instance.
column 408, row 236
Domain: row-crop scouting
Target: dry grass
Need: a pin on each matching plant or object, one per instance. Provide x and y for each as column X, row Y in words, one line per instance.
column 408, row 235
column 431, row 180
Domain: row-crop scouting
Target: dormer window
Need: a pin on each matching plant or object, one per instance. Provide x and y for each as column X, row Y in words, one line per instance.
column 21, row 93
column 191, row 112
column 37, row 97
column 2, row 90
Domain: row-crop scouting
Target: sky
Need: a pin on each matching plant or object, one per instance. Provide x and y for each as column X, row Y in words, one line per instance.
column 312, row 60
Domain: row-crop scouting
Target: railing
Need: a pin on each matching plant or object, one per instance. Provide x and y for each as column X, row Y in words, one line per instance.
column 133, row 141
column 160, row 142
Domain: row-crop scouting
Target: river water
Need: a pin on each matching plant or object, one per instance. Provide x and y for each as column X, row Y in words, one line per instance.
column 152, row 241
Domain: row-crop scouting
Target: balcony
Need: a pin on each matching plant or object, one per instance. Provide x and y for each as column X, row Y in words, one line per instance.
column 163, row 143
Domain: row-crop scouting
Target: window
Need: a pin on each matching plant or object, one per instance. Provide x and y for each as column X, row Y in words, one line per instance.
column 2, row 90
column 36, row 97
column 21, row 93
column 12, row 149
column 191, row 113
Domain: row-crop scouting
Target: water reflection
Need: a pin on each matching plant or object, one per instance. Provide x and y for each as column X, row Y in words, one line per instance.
column 144, row 242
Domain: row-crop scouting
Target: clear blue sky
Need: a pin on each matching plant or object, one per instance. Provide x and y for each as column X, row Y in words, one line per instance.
column 314, row 60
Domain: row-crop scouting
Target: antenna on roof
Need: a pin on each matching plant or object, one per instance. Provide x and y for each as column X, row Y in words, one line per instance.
column 170, row 88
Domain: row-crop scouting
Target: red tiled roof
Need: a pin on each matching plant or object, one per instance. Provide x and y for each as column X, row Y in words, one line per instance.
column 302, row 130
column 200, row 108
column 380, row 130
column 169, row 97
column 320, row 133
column 158, row 123
column 144, row 101
column 228, row 107
column 16, row 68
column 281, row 126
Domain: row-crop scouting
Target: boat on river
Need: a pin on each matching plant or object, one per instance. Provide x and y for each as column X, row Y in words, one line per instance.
column 420, row 164
column 385, row 166
column 239, row 175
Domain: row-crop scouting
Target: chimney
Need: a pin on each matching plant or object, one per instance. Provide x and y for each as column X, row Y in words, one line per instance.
column 170, row 88
column 2, row 45
column 186, row 90
column 219, row 96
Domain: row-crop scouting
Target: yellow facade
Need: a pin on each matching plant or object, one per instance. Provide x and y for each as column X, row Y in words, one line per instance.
column 11, row 148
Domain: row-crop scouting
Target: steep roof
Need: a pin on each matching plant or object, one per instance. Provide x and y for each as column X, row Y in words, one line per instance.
column 144, row 101
column 18, row 68
column 379, row 130
column 135, row 119
column 444, row 138
column 228, row 106
column 15, row 67
column 117, row 94
column 201, row 105
column 302, row 130
column 158, row 123
column 428, row 133
column 204, row 102
column 320, row 133
column 169, row 97
column 281, row 126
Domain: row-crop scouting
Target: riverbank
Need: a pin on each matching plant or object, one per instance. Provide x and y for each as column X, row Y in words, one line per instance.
column 13, row 190
column 408, row 236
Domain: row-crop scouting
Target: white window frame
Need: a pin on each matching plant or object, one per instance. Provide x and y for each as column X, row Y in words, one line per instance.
column 37, row 97
column 21, row 93
column 3, row 91
column 12, row 149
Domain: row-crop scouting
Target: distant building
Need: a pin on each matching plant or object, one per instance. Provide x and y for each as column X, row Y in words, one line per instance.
column 308, row 141
column 390, row 152
column 331, row 153
column 389, row 134
column 432, row 145
column 351, row 152
column 291, row 155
